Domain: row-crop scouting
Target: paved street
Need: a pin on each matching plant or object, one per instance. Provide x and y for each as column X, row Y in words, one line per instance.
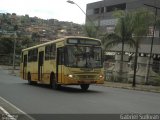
column 40, row 99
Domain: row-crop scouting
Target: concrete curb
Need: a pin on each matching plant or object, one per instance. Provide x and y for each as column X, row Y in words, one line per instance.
column 154, row 89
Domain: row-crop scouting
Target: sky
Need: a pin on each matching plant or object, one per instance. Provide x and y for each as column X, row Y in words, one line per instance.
column 47, row 9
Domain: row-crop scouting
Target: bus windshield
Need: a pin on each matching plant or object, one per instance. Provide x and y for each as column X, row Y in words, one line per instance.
column 84, row 56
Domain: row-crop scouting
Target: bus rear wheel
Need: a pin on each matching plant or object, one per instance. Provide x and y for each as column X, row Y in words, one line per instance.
column 84, row 87
column 30, row 82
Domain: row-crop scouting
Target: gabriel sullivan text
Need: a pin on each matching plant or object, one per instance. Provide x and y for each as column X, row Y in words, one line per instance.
column 140, row 116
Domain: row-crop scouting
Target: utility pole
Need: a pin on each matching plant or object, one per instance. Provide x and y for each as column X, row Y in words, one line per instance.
column 154, row 27
column 14, row 48
column 14, row 51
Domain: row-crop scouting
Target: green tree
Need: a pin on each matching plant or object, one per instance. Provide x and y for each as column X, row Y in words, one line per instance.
column 130, row 28
column 142, row 19
column 122, row 34
column 35, row 37
column 26, row 42
column 91, row 30
column 6, row 45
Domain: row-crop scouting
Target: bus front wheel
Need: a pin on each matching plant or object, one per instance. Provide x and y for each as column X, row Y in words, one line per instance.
column 84, row 87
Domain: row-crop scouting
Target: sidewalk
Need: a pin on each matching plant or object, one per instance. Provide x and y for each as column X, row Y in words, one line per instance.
column 148, row 88
column 9, row 70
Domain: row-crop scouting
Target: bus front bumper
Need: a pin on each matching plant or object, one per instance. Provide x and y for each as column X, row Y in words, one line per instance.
column 72, row 81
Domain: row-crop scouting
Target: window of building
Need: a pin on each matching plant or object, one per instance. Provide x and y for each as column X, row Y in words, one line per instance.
column 96, row 11
column 102, row 9
column 110, row 29
column 151, row 30
column 116, row 7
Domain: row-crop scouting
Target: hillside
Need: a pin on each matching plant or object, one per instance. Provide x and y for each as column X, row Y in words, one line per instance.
column 36, row 28
column 31, row 31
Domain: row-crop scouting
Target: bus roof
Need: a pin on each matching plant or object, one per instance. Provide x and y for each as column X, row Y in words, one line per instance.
column 58, row 40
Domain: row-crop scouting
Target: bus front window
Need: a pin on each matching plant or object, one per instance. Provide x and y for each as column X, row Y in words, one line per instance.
column 82, row 56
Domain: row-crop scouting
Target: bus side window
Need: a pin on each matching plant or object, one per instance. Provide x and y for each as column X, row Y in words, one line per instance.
column 35, row 52
column 53, row 52
column 25, row 60
column 30, row 56
column 60, row 56
column 47, row 52
column 50, row 52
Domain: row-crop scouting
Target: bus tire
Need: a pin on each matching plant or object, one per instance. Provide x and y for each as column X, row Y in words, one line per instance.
column 29, row 78
column 84, row 87
column 53, row 82
column 30, row 82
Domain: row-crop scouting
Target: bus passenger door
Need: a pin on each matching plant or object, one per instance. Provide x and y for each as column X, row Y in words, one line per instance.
column 60, row 63
column 25, row 67
column 40, row 65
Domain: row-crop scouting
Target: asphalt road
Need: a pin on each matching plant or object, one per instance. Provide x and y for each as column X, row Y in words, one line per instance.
column 40, row 99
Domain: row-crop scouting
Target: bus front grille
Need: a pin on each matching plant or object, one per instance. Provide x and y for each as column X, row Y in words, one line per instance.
column 87, row 77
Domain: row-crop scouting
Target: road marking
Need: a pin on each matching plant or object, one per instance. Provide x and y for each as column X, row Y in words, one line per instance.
column 31, row 118
column 9, row 117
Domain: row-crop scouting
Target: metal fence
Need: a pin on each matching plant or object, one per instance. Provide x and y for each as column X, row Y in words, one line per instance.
column 113, row 73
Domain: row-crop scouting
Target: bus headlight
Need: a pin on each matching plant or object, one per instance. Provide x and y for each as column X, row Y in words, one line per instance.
column 71, row 76
column 100, row 76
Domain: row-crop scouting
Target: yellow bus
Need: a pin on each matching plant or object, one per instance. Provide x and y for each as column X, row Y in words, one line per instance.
column 67, row 61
